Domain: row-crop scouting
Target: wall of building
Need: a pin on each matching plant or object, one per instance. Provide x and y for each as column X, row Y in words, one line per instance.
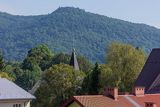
column 10, row 103
column 74, row 104
column 27, row 104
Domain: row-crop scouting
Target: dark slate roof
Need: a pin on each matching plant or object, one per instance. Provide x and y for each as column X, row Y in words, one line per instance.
column 149, row 76
column 10, row 91
column 73, row 61
column 155, row 87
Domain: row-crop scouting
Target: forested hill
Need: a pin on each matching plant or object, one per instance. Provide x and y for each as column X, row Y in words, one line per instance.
column 91, row 33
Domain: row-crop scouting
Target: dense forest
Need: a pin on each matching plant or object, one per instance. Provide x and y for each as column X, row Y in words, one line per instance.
column 69, row 27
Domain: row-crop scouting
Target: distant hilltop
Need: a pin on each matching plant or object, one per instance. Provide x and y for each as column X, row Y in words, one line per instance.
column 69, row 27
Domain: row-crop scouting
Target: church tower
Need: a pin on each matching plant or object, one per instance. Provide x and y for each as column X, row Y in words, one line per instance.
column 73, row 61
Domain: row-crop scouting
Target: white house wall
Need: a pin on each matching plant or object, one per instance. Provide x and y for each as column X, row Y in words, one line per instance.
column 10, row 103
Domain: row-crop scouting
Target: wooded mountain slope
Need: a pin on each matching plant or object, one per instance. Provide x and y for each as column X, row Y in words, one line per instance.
column 90, row 32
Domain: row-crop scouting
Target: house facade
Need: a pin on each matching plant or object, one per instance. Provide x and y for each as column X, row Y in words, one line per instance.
column 12, row 95
column 15, row 103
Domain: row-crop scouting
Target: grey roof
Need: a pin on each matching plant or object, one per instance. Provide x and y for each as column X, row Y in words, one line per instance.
column 10, row 91
column 73, row 61
column 149, row 76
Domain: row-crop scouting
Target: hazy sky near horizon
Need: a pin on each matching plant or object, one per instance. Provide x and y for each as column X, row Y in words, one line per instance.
column 139, row 11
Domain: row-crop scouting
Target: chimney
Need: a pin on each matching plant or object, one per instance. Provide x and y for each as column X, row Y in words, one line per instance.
column 139, row 91
column 150, row 104
column 111, row 92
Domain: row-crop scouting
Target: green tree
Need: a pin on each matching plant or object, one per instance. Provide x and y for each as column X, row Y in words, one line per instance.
column 94, row 84
column 30, row 70
column 2, row 62
column 85, row 84
column 6, row 68
column 105, row 77
column 26, row 78
column 40, row 55
column 60, row 82
column 126, row 62
column 9, row 70
column 60, row 58
column 20, row 79
column 5, row 75
column 84, row 64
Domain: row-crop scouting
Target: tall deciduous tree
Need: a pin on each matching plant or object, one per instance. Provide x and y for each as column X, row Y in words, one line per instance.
column 105, row 78
column 36, row 61
column 60, row 81
column 40, row 55
column 126, row 62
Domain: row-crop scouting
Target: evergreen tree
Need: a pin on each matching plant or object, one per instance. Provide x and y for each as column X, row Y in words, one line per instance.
column 94, row 80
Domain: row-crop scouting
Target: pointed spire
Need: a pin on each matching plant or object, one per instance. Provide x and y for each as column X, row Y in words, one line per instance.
column 73, row 61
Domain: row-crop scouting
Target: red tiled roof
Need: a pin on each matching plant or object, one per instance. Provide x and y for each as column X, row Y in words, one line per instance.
column 98, row 101
column 104, row 101
column 155, row 98
column 140, row 100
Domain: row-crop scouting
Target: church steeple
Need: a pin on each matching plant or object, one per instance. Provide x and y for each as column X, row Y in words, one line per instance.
column 73, row 61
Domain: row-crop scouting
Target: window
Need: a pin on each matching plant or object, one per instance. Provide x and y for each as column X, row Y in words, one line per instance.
column 17, row 105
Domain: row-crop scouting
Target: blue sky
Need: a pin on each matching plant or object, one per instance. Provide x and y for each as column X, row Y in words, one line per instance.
column 139, row 11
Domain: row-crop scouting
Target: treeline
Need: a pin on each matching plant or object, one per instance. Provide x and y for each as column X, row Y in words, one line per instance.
column 60, row 81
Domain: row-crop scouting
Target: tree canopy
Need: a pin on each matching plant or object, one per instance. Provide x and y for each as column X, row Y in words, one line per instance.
column 29, row 72
column 40, row 55
column 60, row 81
column 125, row 62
